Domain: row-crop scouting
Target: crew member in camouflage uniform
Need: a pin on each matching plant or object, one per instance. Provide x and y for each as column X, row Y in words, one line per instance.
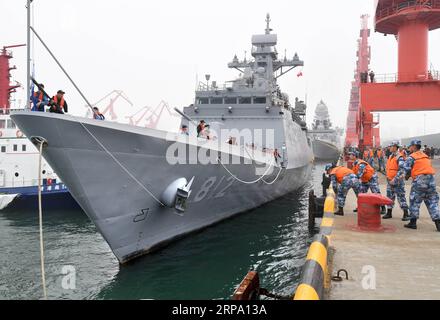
column 367, row 176
column 395, row 173
column 343, row 179
column 419, row 167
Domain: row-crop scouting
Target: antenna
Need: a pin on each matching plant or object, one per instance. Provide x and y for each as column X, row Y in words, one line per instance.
column 268, row 29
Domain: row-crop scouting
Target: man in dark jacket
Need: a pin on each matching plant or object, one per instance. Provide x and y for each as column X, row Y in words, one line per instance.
column 58, row 104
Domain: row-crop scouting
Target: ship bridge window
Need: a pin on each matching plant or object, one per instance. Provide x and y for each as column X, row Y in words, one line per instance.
column 15, row 148
column 203, row 101
column 2, row 124
column 23, row 148
column 3, row 149
column 246, row 100
column 11, row 124
column 230, row 100
column 260, row 100
column 216, row 100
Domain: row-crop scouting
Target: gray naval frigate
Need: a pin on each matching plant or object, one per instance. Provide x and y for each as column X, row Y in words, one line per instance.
column 143, row 188
column 325, row 139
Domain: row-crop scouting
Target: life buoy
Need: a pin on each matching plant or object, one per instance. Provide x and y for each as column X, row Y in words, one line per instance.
column 19, row 134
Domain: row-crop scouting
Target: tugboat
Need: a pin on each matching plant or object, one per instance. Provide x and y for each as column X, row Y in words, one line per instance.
column 19, row 159
column 241, row 145
column 325, row 139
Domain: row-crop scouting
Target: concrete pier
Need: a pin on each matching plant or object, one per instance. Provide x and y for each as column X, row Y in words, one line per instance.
column 392, row 265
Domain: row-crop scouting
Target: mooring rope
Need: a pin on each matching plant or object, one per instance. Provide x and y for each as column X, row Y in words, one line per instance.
column 247, row 182
column 121, row 165
column 279, row 173
column 40, row 214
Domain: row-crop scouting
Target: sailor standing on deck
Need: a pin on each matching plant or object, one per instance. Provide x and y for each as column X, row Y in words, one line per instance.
column 419, row 167
column 343, row 179
column 396, row 181
column 39, row 100
column 367, row 176
column 58, row 104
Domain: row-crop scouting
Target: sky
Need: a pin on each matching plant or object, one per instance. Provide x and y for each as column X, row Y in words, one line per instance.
column 156, row 50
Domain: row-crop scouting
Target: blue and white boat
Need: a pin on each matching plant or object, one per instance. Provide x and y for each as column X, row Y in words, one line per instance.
column 19, row 173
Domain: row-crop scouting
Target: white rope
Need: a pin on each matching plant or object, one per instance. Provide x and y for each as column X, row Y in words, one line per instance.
column 121, row 165
column 247, row 182
column 276, row 179
column 40, row 214
column 279, row 173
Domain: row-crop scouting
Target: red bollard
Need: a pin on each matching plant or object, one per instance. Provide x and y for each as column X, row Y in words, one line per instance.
column 369, row 218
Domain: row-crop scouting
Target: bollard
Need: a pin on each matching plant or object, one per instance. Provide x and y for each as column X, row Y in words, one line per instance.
column 369, row 218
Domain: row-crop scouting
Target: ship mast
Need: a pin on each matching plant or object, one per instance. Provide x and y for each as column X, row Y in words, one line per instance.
column 28, row 74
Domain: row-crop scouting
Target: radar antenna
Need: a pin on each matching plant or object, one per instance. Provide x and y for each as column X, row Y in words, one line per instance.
column 268, row 29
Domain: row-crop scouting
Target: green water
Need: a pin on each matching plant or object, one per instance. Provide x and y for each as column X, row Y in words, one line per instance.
column 272, row 239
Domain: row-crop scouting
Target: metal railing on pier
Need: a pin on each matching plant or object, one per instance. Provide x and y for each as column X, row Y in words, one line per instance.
column 402, row 77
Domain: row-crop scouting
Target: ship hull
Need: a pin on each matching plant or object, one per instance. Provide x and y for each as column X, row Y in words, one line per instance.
column 117, row 174
column 325, row 151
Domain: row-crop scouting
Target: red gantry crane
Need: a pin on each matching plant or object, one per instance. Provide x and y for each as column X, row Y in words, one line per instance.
column 5, row 75
column 414, row 87
column 110, row 110
column 149, row 117
column 362, row 66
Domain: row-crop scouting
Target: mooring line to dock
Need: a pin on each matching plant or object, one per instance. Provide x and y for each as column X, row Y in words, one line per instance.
column 121, row 165
column 315, row 274
column 247, row 182
column 40, row 215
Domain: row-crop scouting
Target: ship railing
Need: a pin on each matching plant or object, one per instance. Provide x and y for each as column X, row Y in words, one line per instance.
column 394, row 9
column 432, row 75
column 213, row 86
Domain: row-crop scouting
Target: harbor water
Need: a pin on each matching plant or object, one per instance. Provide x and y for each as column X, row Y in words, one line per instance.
column 272, row 239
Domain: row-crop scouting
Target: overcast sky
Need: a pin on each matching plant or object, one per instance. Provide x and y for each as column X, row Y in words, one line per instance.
column 154, row 50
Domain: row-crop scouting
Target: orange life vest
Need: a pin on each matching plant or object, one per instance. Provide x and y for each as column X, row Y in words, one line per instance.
column 341, row 173
column 368, row 172
column 61, row 104
column 393, row 165
column 379, row 153
column 422, row 165
column 40, row 96
column 371, row 154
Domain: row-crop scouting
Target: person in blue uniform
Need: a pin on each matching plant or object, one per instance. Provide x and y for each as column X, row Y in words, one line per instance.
column 342, row 179
column 423, row 189
column 395, row 173
column 367, row 176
